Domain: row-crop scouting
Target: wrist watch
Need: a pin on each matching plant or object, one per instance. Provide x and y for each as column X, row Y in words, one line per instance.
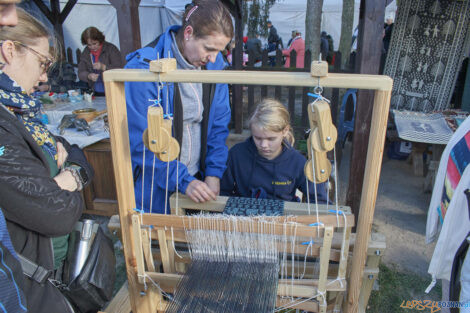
column 82, row 174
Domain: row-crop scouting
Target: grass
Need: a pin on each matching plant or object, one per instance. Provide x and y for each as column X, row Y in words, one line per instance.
column 396, row 287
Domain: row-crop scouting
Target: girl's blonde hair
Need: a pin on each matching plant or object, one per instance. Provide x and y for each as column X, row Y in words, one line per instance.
column 28, row 31
column 271, row 115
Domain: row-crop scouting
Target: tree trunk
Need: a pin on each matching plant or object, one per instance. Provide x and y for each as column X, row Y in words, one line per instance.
column 347, row 21
column 313, row 27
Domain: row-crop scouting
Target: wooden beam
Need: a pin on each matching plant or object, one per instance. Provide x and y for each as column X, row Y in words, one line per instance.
column 290, row 208
column 128, row 24
column 297, row 226
column 65, row 12
column 237, row 64
column 371, row 20
column 337, row 80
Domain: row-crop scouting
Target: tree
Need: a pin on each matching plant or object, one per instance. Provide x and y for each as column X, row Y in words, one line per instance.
column 255, row 16
column 347, row 20
column 313, row 27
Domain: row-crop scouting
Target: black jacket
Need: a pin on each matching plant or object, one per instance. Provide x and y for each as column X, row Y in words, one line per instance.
column 35, row 207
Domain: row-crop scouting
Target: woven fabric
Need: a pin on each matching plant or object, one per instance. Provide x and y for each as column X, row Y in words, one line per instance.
column 250, row 206
column 422, row 127
column 429, row 41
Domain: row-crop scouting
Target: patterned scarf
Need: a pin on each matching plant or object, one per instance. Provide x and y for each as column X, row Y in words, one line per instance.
column 27, row 110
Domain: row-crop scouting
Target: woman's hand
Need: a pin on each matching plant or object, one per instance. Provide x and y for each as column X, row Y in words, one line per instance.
column 199, row 191
column 213, row 183
column 93, row 77
column 99, row 66
column 62, row 154
column 66, row 181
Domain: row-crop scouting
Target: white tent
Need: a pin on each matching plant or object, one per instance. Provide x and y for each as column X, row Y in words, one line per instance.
column 156, row 15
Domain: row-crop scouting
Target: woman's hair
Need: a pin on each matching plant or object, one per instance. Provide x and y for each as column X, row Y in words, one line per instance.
column 92, row 33
column 28, row 31
column 207, row 17
column 271, row 115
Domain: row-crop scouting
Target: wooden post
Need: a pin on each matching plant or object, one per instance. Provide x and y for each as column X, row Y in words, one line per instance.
column 56, row 17
column 237, row 90
column 373, row 166
column 128, row 24
column 291, row 92
column 305, row 97
column 142, row 301
column 371, row 18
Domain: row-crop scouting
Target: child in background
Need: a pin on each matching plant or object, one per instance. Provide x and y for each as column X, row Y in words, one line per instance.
column 266, row 165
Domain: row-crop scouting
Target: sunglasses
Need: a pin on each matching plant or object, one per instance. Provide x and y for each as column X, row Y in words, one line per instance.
column 44, row 61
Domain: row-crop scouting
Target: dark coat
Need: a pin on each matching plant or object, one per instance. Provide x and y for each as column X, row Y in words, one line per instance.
column 35, row 207
column 110, row 56
column 273, row 37
column 254, row 49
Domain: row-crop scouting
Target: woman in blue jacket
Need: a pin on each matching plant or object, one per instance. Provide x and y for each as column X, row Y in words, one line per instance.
column 266, row 165
column 201, row 112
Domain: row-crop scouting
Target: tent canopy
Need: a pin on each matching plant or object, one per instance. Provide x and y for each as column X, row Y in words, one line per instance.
column 156, row 15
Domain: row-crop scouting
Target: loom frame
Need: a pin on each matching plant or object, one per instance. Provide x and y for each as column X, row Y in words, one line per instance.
column 117, row 117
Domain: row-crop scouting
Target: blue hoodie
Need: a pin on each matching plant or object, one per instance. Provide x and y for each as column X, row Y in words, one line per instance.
column 137, row 97
column 249, row 174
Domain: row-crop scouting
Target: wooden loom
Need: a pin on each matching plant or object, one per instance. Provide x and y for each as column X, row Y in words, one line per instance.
column 149, row 300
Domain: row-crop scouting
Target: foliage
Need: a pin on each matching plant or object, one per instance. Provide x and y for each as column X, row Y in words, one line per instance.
column 255, row 15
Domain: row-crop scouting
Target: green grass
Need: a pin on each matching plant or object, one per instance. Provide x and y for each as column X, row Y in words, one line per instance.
column 396, row 287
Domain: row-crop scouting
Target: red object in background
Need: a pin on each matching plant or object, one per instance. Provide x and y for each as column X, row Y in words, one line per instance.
column 245, row 39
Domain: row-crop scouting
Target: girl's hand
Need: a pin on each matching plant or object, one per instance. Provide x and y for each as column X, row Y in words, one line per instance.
column 66, row 181
column 199, row 191
column 213, row 183
column 62, row 155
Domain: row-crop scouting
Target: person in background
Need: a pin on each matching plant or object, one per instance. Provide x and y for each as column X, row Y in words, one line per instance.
column 60, row 78
column 201, row 112
column 388, row 28
column 97, row 57
column 297, row 44
column 274, row 41
column 40, row 175
column 254, row 48
column 266, row 165
column 324, row 45
column 293, row 35
column 12, row 296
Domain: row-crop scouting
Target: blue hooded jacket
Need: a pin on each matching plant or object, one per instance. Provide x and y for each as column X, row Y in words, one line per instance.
column 167, row 176
column 250, row 175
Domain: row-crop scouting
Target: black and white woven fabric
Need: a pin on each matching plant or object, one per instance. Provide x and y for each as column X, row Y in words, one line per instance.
column 422, row 127
column 429, row 42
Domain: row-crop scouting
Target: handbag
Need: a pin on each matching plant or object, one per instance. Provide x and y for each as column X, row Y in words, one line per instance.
column 91, row 287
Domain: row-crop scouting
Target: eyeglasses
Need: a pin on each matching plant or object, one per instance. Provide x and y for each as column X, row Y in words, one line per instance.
column 45, row 62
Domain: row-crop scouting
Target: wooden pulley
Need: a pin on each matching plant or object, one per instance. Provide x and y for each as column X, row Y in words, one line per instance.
column 157, row 137
column 324, row 134
column 322, row 167
column 173, row 149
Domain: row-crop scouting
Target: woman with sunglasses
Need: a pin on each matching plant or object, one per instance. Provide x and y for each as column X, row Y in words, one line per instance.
column 40, row 174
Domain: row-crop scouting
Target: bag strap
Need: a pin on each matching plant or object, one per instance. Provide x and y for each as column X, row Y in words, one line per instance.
column 34, row 271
